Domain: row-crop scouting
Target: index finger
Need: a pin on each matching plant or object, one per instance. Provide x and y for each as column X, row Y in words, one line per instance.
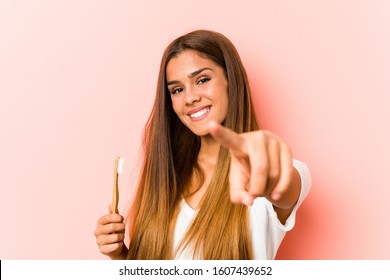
column 226, row 137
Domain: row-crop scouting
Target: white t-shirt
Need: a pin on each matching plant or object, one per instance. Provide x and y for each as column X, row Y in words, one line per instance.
column 267, row 232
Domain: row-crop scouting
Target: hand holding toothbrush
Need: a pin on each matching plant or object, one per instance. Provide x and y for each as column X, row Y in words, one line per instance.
column 110, row 230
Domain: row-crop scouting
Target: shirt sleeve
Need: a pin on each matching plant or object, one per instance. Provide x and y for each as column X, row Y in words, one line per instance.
column 304, row 173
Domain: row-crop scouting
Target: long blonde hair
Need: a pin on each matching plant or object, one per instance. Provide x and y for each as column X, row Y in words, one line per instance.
column 220, row 229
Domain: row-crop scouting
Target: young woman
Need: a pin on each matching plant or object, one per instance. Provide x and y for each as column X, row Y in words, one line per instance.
column 212, row 185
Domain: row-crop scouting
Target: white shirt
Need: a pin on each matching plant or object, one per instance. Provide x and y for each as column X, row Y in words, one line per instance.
column 267, row 232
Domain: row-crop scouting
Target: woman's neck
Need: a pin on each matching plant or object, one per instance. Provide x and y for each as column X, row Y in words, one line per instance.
column 209, row 150
column 207, row 159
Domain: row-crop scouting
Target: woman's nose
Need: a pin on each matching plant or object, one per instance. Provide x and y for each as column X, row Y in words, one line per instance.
column 192, row 96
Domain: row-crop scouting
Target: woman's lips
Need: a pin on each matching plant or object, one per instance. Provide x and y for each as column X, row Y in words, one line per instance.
column 199, row 113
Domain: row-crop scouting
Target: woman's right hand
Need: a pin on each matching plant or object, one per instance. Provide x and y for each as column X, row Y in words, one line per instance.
column 110, row 235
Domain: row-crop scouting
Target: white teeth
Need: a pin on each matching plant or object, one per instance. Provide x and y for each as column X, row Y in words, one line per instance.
column 200, row 113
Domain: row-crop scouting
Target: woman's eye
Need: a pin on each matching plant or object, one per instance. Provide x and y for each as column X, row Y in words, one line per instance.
column 203, row 80
column 176, row 90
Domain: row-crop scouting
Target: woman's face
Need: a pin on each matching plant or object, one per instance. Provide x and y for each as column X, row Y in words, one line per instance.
column 198, row 89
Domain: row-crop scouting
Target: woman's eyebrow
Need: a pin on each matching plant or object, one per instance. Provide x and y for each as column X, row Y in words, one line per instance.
column 191, row 75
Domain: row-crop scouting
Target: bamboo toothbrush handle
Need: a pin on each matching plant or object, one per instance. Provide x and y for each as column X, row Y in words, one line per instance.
column 115, row 194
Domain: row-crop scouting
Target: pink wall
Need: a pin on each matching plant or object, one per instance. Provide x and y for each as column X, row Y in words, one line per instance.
column 77, row 82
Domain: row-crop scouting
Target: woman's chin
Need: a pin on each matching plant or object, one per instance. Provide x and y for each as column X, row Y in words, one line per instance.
column 199, row 130
column 200, row 133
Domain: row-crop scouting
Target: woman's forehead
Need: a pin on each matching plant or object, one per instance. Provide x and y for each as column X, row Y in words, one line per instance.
column 188, row 62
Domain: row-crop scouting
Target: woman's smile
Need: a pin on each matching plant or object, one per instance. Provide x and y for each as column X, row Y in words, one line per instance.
column 199, row 113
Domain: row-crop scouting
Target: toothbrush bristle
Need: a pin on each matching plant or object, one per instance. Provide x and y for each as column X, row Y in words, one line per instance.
column 120, row 165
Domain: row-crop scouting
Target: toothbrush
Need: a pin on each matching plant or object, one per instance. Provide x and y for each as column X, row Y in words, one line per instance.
column 118, row 169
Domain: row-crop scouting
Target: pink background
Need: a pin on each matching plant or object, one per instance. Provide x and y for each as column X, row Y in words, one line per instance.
column 77, row 82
